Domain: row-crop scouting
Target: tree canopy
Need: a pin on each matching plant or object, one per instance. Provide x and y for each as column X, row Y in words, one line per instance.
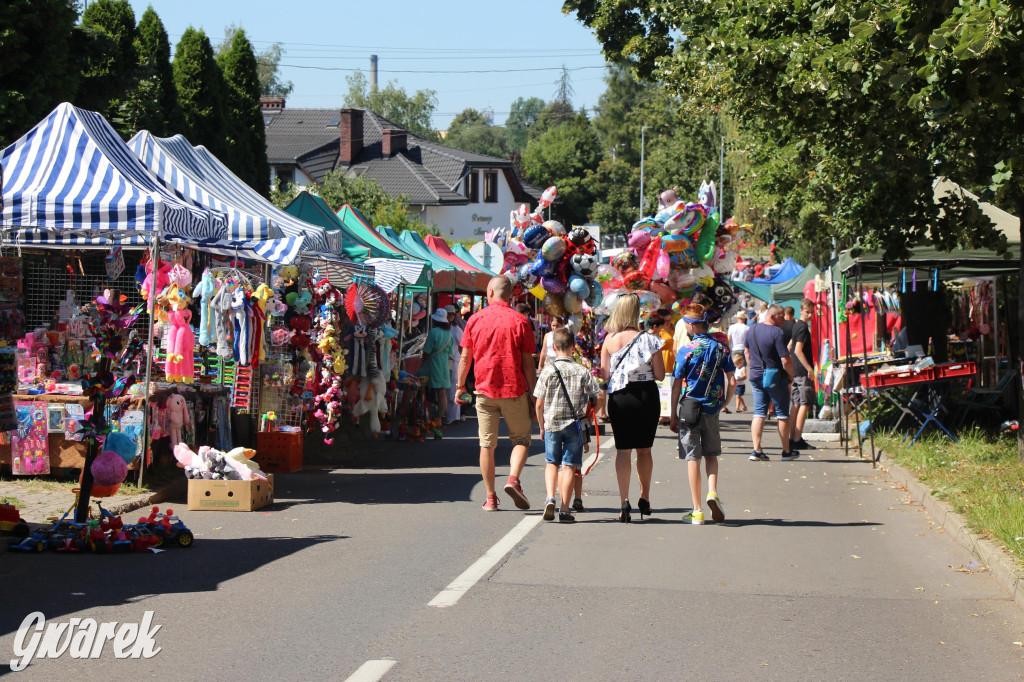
column 522, row 114
column 36, row 39
column 267, row 65
column 562, row 156
column 412, row 112
column 154, row 53
column 471, row 132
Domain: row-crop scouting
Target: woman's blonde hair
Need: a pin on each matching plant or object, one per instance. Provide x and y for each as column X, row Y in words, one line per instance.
column 625, row 315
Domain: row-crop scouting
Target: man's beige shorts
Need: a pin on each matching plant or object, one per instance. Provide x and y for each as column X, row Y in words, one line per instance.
column 515, row 411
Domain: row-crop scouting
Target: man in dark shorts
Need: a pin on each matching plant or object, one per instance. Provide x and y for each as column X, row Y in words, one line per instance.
column 804, row 395
column 765, row 350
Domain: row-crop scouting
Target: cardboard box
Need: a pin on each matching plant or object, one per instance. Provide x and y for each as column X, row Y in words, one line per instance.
column 204, row 495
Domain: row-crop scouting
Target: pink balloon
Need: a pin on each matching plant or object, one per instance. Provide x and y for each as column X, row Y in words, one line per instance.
column 663, row 265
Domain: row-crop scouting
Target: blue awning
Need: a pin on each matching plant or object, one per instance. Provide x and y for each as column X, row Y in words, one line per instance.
column 204, row 165
column 72, row 174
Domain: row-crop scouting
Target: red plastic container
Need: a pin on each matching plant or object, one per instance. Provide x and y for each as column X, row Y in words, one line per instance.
column 955, row 369
column 279, row 451
column 907, row 376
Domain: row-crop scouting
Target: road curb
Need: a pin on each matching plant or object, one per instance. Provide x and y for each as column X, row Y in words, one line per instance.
column 179, row 486
column 1000, row 565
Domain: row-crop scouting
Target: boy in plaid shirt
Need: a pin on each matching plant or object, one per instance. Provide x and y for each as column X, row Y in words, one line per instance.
column 563, row 391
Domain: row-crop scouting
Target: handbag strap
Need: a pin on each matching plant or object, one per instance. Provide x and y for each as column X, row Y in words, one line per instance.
column 565, row 391
column 623, row 356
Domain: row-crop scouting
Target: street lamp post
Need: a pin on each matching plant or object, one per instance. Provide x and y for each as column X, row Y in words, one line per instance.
column 642, row 130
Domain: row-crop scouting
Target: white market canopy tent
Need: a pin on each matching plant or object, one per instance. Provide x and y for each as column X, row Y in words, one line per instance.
column 72, row 182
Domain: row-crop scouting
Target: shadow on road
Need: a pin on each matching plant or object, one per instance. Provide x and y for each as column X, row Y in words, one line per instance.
column 57, row 585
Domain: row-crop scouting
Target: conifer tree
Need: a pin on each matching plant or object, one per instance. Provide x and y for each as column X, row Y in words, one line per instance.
column 154, row 51
column 246, row 140
column 200, row 86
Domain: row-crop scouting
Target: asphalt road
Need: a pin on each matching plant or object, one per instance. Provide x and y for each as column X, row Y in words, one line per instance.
column 823, row 570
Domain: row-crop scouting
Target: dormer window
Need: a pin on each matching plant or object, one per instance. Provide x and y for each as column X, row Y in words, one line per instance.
column 490, row 187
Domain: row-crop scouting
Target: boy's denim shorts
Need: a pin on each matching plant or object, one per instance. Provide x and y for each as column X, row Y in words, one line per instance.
column 564, row 447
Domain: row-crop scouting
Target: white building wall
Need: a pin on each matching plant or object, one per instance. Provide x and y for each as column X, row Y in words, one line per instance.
column 472, row 220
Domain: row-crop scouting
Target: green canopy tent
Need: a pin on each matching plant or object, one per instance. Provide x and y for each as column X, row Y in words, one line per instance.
column 463, row 253
column 313, row 209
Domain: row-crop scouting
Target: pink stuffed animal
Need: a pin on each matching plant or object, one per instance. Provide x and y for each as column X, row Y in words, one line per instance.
column 177, row 417
column 162, row 280
column 180, row 364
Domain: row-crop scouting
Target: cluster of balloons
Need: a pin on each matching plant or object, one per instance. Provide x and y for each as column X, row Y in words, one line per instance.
column 672, row 255
column 559, row 267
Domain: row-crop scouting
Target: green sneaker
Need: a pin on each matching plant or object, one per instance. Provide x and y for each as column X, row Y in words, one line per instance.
column 716, row 507
column 695, row 517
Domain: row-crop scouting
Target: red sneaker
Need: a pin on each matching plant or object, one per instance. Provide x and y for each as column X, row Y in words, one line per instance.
column 515, row 491
column 492, row 503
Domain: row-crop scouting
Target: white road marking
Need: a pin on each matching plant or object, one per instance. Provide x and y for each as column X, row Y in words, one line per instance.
column 450, row 595
column 371, row 671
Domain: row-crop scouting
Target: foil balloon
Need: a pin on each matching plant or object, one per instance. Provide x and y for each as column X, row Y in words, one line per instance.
column 667, row 295
column 586, row 265
column 636, row 281
column 579, row 286
column 674, row 243
column 541, row 267
column 606, row 274
column 516, row 247
column 680, row 279
column 581, row 238
column 649, row 301
column 554, row 305
column 596, row 297
column 547, row 197
column 535, row 236
column 521, row 217
column 554, row 227
column 539, row 292
column 527, row 278
column 693, row 219
column 575, row 323
column 725, row 263
column 553, row 249
column 626, row 262
column 552, row 285
column 573, row 304
column 612, row 297
column 663, row 265
column 639, row 239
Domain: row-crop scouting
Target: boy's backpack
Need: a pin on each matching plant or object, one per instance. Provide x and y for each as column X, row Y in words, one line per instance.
column 711, row 362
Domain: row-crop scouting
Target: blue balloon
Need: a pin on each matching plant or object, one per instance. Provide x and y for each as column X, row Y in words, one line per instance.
column 596, row 295
column 122, row 444
column 579, row 286
column 535, row 237
column 543, row 268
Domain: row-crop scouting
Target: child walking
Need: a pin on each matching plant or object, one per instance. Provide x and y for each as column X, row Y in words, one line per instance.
column 741, row 380
column 563, row 391
column 704, row 383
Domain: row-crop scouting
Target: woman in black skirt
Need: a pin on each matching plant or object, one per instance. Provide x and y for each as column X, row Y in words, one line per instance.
column 632, row 366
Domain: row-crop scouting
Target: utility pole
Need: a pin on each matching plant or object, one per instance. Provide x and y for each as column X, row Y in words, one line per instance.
column 721, row 181
column 643, row 129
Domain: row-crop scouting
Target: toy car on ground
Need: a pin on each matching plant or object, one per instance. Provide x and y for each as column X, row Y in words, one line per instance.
column 169, row 528
column 11, row 523
column 36, row 542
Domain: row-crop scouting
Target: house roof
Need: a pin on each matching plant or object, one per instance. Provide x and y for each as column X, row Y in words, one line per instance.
column 426, row 172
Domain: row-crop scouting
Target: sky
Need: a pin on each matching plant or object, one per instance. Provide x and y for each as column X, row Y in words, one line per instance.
column 517, row 49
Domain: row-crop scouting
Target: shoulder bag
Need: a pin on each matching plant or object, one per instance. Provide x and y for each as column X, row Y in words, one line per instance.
column 581, row 429
column 769, row 375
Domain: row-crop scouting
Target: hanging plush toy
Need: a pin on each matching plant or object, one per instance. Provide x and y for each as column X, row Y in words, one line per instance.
column 177, row 417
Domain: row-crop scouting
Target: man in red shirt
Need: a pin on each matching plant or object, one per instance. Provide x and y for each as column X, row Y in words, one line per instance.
column 499, row 342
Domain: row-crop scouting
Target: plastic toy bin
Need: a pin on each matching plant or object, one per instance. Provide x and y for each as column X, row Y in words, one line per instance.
column 279, row 451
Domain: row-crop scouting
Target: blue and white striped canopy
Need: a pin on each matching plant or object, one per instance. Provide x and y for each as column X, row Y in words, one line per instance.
column 180, row 180
column 390, row 272
column 72, row 174
column 216, row 176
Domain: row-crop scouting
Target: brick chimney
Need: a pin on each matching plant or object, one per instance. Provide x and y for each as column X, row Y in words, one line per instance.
column 350, row 135
column 393, row 142
column 271, row 103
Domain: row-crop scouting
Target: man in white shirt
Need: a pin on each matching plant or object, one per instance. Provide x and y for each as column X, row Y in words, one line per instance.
column 737, row 333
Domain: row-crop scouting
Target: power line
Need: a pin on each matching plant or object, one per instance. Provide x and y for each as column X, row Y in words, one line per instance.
column 417, row 71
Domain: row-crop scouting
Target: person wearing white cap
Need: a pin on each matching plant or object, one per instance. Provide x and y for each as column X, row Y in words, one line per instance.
column 437, row 363
column 454, row 409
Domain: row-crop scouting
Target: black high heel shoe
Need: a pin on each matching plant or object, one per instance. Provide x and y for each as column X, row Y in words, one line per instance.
column 644, row 506
column 624, row 514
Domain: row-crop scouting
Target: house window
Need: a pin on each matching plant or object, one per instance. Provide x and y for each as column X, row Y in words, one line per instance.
column 490, row 187
column 286, row 175
column 473, row 187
